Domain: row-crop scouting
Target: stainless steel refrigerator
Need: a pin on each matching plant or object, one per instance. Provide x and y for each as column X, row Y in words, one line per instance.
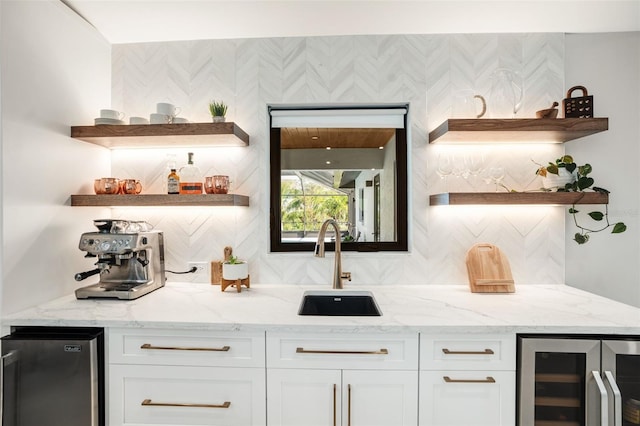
column 52, row 376
column 578, row 381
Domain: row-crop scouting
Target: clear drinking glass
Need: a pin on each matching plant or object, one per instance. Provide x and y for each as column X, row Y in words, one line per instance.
column 445, row 169
column 497, row 174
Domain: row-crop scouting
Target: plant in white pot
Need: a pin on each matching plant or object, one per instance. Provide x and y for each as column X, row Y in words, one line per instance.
column 218, row 111
column 577, row 179
column 235, row 269
column 556, row 176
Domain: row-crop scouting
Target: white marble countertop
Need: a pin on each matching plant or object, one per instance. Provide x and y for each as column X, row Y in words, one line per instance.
column 433, row 309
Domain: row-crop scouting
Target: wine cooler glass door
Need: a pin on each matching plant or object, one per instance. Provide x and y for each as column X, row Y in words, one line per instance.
column 556, row 382
column 621, row 358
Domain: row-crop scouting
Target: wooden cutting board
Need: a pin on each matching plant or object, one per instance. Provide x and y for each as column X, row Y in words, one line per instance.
column 489, row 270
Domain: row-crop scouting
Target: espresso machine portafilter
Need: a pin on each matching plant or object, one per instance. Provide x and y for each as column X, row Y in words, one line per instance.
column 130, row 259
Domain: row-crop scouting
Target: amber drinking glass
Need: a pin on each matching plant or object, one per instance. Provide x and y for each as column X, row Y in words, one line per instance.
column 132, row 186
column 217, row 184
column 106, row 186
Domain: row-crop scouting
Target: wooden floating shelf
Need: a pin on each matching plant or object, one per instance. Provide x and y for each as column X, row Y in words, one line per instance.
column 550, row 198
column 162, row 135
column 158, row 200
column 516, row 130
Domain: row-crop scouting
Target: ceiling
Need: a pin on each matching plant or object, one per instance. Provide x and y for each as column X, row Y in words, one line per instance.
column 310, row 138
column 136, row 21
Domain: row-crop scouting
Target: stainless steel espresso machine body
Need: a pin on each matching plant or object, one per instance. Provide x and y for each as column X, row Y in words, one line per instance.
column 130, row 260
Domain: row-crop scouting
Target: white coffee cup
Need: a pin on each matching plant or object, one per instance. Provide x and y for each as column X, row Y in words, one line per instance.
column 111, row 114
column 156, row 118
column 167, row 109
column 138, row 120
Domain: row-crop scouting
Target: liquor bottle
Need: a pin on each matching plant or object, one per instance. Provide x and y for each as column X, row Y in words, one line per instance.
column 190, row 178
column 173, row 182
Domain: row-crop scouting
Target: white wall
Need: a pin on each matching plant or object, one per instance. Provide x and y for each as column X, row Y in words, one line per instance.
column 608, row 65
column 423, row 70
column 37, row 109
column 55, row 73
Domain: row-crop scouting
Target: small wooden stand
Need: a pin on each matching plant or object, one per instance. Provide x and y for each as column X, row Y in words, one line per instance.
column 237, row 283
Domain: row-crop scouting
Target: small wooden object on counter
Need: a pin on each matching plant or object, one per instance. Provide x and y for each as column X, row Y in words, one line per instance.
column 217, row 278
column 237, row 283
column 489, row 270
column 216, row 266
column 216, row 272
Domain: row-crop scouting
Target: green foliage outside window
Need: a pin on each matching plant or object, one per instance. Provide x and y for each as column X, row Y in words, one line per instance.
column 306, row 210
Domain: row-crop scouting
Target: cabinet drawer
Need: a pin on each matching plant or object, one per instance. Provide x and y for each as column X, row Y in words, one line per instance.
column 468, row 352
column 352, row 351
column 156, row 395
column 467, row 398
column 187, row 347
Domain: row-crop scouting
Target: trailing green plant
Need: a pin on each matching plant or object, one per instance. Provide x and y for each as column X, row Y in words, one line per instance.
column 582, row 182
column 218, row 109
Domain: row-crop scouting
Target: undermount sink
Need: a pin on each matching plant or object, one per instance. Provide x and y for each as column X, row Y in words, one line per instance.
column 339, row 303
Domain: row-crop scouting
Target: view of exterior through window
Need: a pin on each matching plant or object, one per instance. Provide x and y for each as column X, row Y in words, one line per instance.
column 306, row 203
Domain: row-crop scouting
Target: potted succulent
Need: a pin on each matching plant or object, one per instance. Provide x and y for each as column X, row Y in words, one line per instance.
column 235, row 269
column 576, row 179
column 218, row 111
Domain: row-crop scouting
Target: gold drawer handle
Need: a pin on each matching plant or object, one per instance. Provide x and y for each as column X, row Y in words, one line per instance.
column 485, row 352
column 489, row 379
column 335, row 407
column 149, row 403
column 382, row 351
column 176, row 348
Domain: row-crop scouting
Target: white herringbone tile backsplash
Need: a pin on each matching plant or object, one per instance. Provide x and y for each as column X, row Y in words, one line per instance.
column 425, row 70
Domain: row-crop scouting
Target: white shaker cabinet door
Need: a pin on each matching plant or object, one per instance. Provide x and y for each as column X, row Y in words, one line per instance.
column 303, row 397
column 467, row 398
column 379, row 398
column 309, row 397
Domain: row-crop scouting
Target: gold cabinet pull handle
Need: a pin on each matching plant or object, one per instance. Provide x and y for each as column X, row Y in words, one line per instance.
column 382, row 351
column 485, row 352
column 335, row 408
column 348, row 405
column 150, row 403
column 489, row 379
column 177, row 348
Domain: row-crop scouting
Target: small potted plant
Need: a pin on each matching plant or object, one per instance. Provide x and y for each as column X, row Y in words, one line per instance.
column 556, row 176
column 577, row 179
column 218, row 111
column 235, row 269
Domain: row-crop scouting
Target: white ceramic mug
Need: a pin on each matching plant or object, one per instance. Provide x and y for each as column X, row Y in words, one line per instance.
column 138, row 120
column 111, row 114
column 167, row 109
column 156, row 118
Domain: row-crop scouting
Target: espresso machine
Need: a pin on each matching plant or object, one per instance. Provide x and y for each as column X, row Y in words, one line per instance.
column 130, row 259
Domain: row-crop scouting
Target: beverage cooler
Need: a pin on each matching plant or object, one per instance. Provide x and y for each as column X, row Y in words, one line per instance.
column 578, row 381
column 52, row 376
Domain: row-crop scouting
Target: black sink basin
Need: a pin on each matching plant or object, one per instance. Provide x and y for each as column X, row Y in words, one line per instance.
column 339, row 303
